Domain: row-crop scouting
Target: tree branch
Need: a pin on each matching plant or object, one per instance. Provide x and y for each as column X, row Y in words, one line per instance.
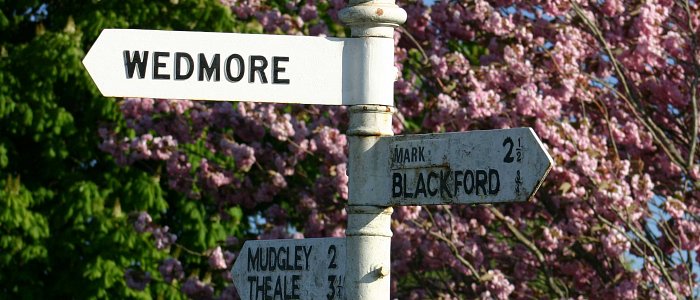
column 531, row 246
column 693, row 86
column 658, row 254
column 453, row 248
column 631, row 98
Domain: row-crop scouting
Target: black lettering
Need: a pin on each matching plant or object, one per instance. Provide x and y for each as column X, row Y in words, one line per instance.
column 267, row 282
column 332, row 264
column 406, row 156
column 241, row 68
column 420, row 186
column 281, row 261
column 481, row 181
column 289, row 260
column 263, row 263
column 278, row 287
column 432, row 192
column 508, row 158
column 443, row 184
column 420, row 154
column 331, row 287
column 259, row 288
column 398, row 155
column 130, row 63
column 157, row 65
column 276, row 69
column 253, row 259
column 308, row 254
column 493, row 190
column 295, row 287
column 210, row 70
column 259, row 69
column 457, row 181
column 406, row 194
column 272, row 258
column 253, row 283
column 414, row 154
column 297, row 257
column 287, row 292
column 468, row 182
column 190, row 65
column 396, row 190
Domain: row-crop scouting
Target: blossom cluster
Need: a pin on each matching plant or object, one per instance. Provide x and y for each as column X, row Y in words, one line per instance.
column 161, row 236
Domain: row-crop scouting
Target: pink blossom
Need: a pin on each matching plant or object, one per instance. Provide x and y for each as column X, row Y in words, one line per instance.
column 613, row 7
column 163, row 238
column 615, row 243
column 216, row 259
column 308, row 12
column 498, row 286
column 675, row 207
column 143, row 222
column 196, row 289
column 689, row 235
column 484, row 104
column 551, row 238
column 626, row 290
column 171, row 269
column 331, row 142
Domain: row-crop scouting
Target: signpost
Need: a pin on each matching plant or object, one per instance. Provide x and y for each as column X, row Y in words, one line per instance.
column 451, row 168
column 242, row 67
column 291, row 269
column 489, row 166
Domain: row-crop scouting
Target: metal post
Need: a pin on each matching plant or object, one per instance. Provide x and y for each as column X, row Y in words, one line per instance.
column 369, row 227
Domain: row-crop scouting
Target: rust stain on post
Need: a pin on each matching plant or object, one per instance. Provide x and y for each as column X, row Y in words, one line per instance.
column 380, row 12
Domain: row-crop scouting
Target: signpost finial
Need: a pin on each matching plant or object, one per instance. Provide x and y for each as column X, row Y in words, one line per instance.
column 372, row 18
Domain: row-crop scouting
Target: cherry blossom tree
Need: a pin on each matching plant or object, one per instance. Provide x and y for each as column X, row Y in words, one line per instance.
column 609, row 86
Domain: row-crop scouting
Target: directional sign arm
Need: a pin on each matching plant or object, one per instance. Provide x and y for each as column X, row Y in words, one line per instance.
column 242, row 67
column 489, row 166
column 291, row 269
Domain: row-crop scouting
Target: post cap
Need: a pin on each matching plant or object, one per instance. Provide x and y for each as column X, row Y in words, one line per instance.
column 372, row 18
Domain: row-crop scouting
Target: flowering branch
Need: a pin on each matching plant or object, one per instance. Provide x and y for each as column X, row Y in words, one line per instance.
column 426, row 59
column 531, row 246
column 694, row 85
column 657, row 252
column 453, row 248
column 629, row 96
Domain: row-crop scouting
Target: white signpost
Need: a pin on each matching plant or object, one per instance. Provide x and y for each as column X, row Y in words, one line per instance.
column 291, row 269
column 242, row 67
column 451, row 168
column 488, row 166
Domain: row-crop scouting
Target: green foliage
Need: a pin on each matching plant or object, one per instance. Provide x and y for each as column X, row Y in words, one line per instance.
column 66, row 209
column 471, row 50
column 23, row 229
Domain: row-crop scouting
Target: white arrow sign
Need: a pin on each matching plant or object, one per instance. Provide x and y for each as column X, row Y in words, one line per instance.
column 291, row 269
column 489, row 166
column 242, row 67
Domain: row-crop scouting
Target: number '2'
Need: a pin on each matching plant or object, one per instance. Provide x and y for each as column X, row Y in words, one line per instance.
column 509, row 156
